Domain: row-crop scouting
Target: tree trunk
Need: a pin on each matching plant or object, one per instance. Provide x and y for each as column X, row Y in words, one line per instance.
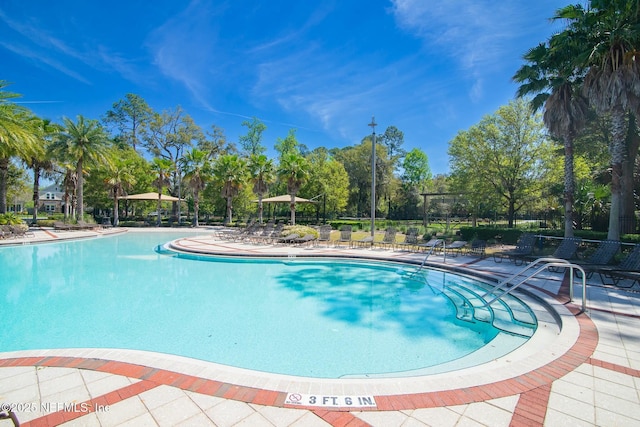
column 80, row 191
column 4, row 174
column 569, row 186
column 116, row 208
column 511, row 212
column 229, row 211
column 260, row 207
column 196, row 208
column 158, row 207
column 628, row 166
column 617, row 149
column 292, row 208
column 36, row 193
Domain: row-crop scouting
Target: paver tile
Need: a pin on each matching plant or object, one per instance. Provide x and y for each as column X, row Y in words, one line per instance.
column 229, row 412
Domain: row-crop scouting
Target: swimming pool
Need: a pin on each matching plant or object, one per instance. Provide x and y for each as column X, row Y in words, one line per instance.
column 325, row 319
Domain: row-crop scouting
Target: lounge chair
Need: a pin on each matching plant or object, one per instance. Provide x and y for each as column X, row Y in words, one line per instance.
column 306, row 239
column 345, row 235
column 410, row 239
column 523, row 249
column 455, row 248
column 389, row 239
column 365, row 241
column 264, row 234
column 5, row 232
column 601, row 257
column 325, row 235
column 478, row 248
column 629, row 268
column 567, row 248
column 430, row 245
column 289, row 238
column 63, row 226
column 20, row 231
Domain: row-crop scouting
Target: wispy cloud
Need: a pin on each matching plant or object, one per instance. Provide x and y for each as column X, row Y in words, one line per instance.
column 478, row 36
column 47, row 50
column 183, row 48
column 43, row 60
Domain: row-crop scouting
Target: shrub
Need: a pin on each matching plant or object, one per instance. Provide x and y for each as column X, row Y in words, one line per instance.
column 300, row 230
column 10, row 219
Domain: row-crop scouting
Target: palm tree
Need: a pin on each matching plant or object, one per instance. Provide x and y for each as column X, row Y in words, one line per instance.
column 162, row 168
column 85, row 143
column 608, row 37
column 40, row 160
column 549, row 69
column 119, row 178
column 231, row 171
column 294, row 169
column 196, row 167
column 17, row 137
column 261, row 170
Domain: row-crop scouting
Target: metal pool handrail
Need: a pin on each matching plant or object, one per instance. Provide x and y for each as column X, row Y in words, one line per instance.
column 549, row 262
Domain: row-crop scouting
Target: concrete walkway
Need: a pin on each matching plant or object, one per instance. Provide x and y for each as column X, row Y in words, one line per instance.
column 586, row 375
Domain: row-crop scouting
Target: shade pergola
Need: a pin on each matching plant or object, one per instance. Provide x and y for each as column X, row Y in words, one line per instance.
column 151, row 196
column 285, row 198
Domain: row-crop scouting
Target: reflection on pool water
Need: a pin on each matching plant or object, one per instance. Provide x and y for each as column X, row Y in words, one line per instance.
column 315, row 318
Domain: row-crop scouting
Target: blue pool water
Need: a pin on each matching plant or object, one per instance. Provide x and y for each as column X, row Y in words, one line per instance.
column 309, row 318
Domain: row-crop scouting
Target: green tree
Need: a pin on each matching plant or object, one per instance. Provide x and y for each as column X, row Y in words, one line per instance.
column 262, row 174
column 294, row 170
column 215, row 143
column 505, row 151
column 197, row 170
column 169, row 135
column 162, row 169
column 551, row 76
column 39, row 160
column 85, row 143
column 416, row 168
column 328, row 182
column 230, row 171
column 607, row 37
column 129, row 116
column 17, row 137
column 251, row 143
column 119, row 178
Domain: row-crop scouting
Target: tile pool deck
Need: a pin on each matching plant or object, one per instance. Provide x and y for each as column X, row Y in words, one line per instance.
column 589, row 375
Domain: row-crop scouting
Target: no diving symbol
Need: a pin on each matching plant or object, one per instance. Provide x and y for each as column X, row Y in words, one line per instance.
column 295, row 398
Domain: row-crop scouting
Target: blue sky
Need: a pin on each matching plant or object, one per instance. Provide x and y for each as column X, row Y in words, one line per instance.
column 322, row 67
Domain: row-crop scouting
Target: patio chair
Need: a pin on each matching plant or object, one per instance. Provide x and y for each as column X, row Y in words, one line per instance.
column 410, row 239
column 63, row 226
column 289, row 238
column 365, row 241
column 5, row 232
column 307, row 239
column 431, row 245
column 523, row 249
column 345, row 235
column 629, row 268
column 455, row 248
column 389, row 239
column 600, row 258
column 264, row 234
column 567, row 248
column 325, row 235
column 478, row 248
column 17, row 231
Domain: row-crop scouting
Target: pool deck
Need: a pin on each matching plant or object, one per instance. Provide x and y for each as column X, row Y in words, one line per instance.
column 589, row 375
